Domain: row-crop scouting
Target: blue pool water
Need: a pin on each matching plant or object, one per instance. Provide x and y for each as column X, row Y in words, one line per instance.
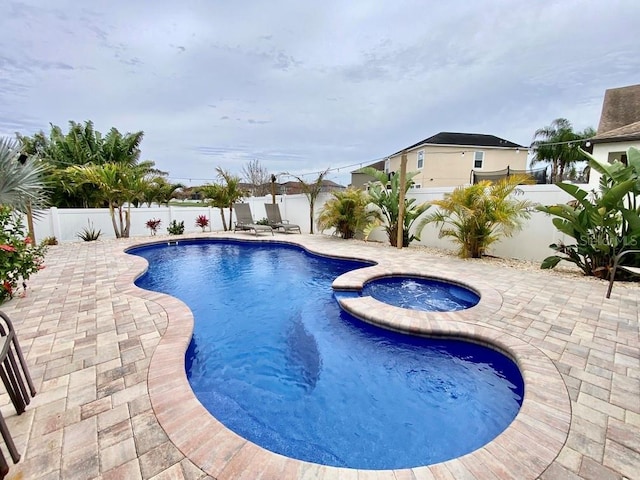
column 421, row 294
column 275, row 359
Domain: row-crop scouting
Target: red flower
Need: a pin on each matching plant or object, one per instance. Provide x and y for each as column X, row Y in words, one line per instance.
column 28, row 241
column 7, row 286
column 7, row 248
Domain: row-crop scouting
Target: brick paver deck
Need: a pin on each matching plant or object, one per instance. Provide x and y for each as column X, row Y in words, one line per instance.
column 113, row 401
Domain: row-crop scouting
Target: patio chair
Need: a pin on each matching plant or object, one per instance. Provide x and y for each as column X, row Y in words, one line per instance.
column 14, row 374
column 244, row 220
column 618, row 265
column 275, row 220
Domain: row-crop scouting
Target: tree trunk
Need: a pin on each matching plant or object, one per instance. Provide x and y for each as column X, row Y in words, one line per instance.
column 112, row 212
column 312, row 203
column 127, row 216
column 224, row 220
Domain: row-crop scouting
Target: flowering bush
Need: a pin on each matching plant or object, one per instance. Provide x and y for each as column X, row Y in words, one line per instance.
column 202, row 221
column 19, row 258
column 153, row 225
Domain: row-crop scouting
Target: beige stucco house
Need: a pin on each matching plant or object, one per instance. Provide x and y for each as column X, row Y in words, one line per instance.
column 449, row 159
column 619, row 126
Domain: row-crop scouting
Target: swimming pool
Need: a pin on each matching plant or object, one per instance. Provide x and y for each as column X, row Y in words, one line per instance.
column 326, row 370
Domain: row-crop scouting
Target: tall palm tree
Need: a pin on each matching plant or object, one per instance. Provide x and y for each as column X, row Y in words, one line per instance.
column 559, row 145
column 21, row 184
column 81, row 145
column 119, row 148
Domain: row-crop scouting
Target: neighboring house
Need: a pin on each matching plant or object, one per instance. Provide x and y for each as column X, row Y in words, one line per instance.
column 291, row 188
column 448, row 159
column 619, row 126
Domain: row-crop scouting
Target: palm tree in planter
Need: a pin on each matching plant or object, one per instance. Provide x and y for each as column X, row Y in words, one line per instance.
column 348, row 212
column 478, row 215
column 385, row 194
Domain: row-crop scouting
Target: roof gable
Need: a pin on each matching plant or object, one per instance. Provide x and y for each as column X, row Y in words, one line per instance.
column 465, row 139
column 621, row 107
column 622, row 134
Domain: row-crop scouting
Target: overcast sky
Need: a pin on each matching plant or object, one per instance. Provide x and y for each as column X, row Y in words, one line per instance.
column 303, row 86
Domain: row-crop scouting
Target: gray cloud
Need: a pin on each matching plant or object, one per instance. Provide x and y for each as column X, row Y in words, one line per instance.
column 303, row 88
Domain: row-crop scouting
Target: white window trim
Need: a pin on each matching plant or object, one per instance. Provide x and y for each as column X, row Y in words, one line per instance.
column 418, row 160
column 481, row 160
column 387, row 165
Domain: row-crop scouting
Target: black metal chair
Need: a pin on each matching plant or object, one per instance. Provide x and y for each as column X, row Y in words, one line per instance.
column 14, row 374
column 617, row 264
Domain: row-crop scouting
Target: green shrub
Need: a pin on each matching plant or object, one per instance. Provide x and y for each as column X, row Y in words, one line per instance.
column 385, row 194
column 603, row 223
column 477, row 215
column 19, row 258
column 88, row 233
column 348, row 212
column 176, row 228
column 49, row 241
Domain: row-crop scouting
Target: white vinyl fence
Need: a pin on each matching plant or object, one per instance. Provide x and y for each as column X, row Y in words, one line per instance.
column 530, row 244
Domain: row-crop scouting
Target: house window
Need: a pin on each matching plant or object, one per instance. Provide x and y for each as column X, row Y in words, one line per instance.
column 387, row 165
column 478, row 159
column 420, row 162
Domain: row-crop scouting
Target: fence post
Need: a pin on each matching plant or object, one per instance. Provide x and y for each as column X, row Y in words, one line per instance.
column 54, row 220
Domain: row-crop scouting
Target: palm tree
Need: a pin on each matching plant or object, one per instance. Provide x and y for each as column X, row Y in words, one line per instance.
column 81, row 145
column 233, row 192
column 21, row 184
column 347, row 212
column 559, row 145
column 158, row 189
column 119, row 148
column 311, row 191
column 217, row 196
column 119, row 185
column 478, row 215
column 388, row 201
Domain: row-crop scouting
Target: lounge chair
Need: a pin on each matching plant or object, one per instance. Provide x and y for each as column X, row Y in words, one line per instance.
column 244, row 220
column 275, row 220
column 617, row 264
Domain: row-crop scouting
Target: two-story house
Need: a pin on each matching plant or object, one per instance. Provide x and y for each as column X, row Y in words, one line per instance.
column 448, row 159
column 619, row 127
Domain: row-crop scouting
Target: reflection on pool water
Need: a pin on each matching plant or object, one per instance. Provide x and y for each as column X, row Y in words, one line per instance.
column 275, row 360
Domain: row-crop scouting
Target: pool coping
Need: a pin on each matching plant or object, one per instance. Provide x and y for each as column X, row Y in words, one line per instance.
column 522, row 451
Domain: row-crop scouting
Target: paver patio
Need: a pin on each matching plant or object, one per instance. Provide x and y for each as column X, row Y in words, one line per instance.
column 109, row 405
